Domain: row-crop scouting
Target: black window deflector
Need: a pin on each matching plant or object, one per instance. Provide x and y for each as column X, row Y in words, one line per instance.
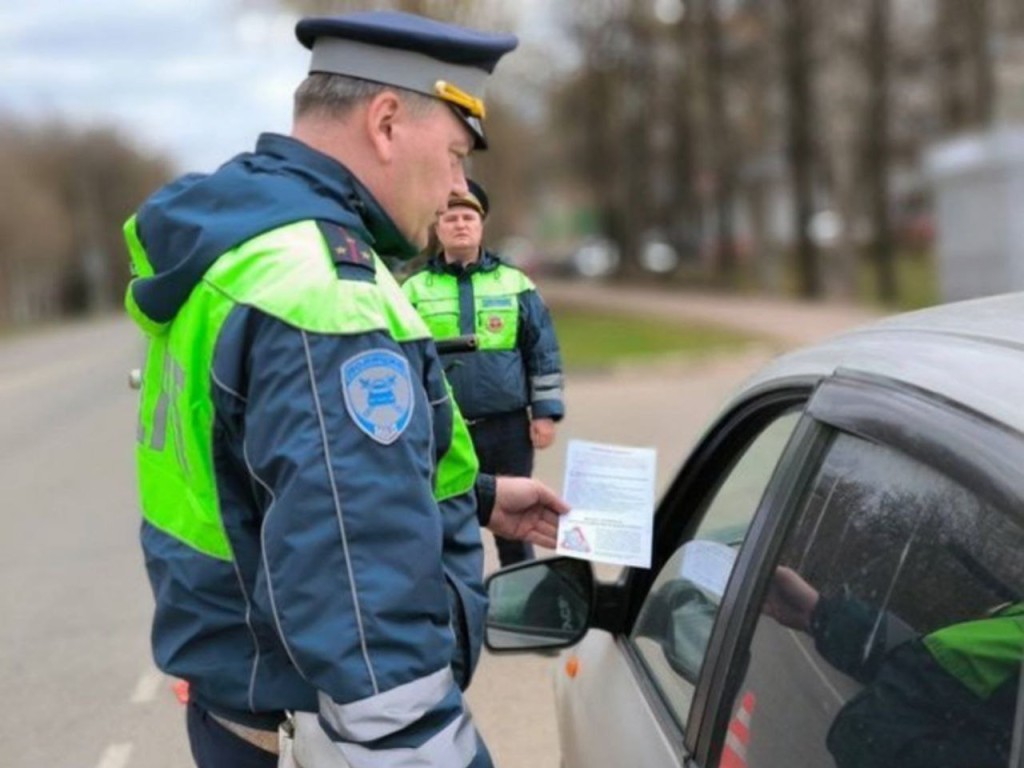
column 966, row 446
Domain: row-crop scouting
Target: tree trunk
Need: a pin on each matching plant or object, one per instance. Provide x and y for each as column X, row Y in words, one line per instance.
column 966, row 76
column 684, row 221
column 983, row 80
column 721, row 146
column 800, row 116
column 877, row 160
column 634, row 96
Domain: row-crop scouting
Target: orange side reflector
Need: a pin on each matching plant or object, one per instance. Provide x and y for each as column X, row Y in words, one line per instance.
column 572, row 666
column 180, row 688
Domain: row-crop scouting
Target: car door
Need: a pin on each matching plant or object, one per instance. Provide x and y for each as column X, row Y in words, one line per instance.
column 625, row 697
column 877, row 617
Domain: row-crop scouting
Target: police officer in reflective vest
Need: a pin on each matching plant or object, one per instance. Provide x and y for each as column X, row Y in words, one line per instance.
column 510, row 388
column 309, row 494
column 940, row 700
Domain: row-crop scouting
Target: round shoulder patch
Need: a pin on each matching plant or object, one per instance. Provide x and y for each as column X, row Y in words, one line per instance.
column 378, row 393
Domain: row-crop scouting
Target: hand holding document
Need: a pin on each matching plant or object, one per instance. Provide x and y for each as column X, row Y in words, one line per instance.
column 611, row 491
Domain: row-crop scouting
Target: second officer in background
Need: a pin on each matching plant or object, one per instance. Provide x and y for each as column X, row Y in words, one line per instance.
column 510, row 388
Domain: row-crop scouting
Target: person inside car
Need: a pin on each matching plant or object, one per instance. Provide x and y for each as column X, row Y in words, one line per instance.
column 944, row 699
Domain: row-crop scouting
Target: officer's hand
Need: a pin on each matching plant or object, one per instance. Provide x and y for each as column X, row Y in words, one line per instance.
column 542, row 433
column 790, row 599
column 527, row 510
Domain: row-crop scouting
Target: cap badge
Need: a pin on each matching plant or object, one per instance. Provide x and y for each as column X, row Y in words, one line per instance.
column 455, row 95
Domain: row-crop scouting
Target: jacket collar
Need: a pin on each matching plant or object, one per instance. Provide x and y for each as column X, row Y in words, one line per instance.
column 333, row 179
column 488, row 262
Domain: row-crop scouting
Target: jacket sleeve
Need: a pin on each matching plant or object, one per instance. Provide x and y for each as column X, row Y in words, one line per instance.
column 486, row 490
column 455, row 484
column 850, row 635
column 353, row 571
column 543, row 360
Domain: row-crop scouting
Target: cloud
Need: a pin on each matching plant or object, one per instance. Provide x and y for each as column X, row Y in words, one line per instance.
column 197, row 82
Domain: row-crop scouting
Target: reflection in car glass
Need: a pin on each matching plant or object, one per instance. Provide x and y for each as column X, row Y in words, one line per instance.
column 893, row 626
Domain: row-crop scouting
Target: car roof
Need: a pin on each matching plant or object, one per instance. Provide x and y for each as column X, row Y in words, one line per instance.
column 970, row 352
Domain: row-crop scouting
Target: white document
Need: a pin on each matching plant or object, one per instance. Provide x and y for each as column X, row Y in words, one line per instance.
column 708, row 564
column 611, row 491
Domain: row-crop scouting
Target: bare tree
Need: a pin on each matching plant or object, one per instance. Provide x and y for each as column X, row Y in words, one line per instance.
column 797, row 25
column 965, row 67
column 510, row 175
column 721, row 145
column 593, row 112
column 877, row 165
column 683, row 214
column 635, row 89
column 61, row 249
column 842, row 85
column 673, row 120
column 35, row 235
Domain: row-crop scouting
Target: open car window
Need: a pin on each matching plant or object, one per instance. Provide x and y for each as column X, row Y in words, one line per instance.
column 675, row 622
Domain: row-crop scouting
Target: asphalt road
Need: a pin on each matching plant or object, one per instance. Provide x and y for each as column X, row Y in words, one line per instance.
column 79, row 688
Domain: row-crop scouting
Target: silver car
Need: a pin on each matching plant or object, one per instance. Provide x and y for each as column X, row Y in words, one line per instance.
column 837, row 576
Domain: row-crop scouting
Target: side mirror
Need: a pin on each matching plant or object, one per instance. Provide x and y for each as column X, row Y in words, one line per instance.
column 540, row 605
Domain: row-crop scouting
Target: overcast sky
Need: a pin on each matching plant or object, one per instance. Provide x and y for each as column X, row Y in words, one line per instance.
column 197, row 80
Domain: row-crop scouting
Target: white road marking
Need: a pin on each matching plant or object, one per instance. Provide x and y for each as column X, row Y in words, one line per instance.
column 115, row 756
column 148, row 686
column 812, row 662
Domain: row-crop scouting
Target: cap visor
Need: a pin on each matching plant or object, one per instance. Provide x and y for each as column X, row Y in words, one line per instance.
column 475, row 127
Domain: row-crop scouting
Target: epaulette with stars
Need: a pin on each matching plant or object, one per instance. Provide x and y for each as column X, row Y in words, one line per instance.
column 352, row 257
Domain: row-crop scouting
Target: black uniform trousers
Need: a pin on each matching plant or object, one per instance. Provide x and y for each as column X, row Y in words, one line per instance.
column 502, row 443
column 214, row 746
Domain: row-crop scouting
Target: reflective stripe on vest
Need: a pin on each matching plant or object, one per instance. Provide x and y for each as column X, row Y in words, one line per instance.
column 981, row 654
column 287, row 273
column 436, row 299
column 495, row 304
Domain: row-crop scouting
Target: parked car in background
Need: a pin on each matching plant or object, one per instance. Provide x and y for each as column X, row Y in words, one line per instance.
column 837, row 577
column 595, row 257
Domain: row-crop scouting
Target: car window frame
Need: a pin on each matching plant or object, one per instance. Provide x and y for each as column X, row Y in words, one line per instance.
column 694, row 487
column 1017, row 745
column 925, row 427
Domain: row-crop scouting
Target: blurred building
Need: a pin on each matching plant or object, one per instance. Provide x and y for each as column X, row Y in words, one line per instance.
column 978, row 180
column 979, row 194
